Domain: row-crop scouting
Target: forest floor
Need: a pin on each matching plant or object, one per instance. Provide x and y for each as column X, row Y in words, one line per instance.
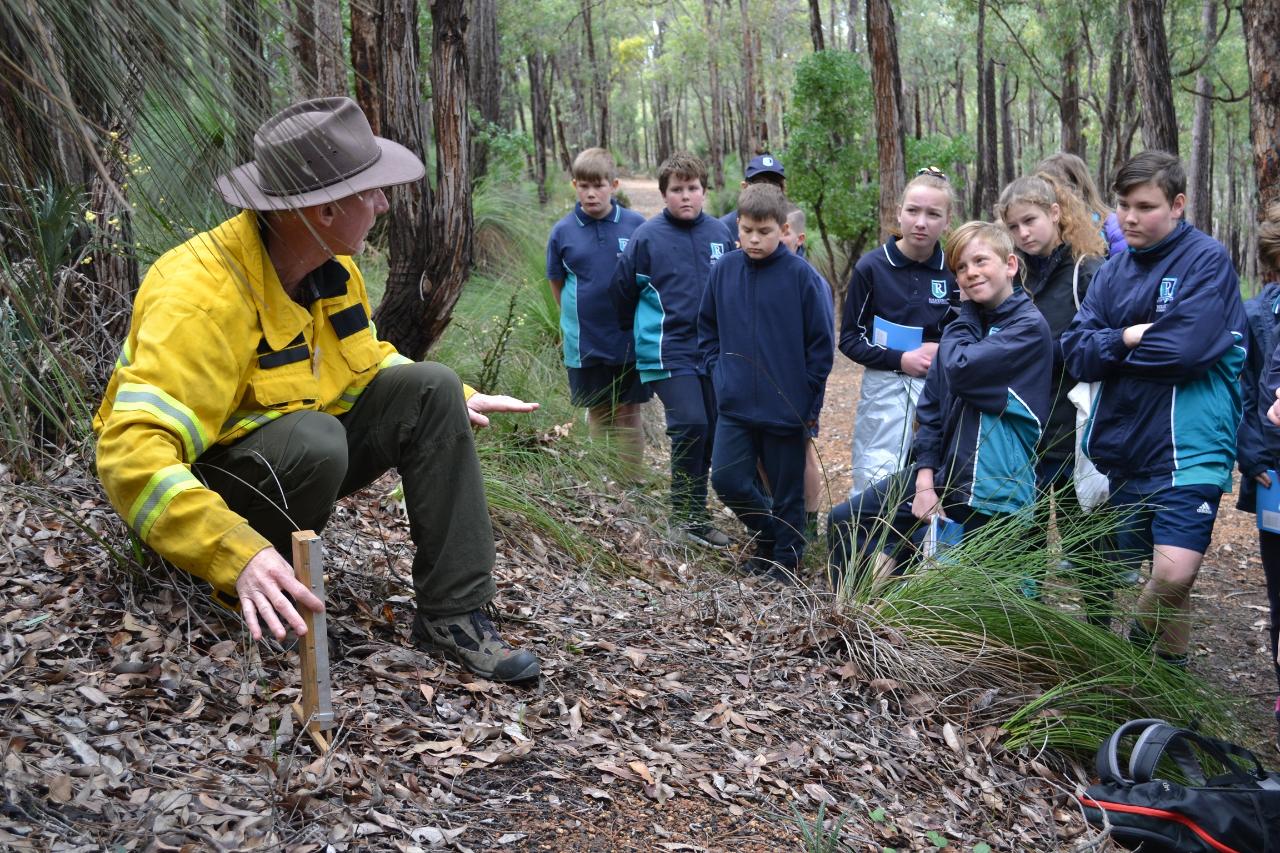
column 681, row 707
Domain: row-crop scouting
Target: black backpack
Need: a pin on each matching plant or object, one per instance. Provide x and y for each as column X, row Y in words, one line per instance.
column 1235, row 812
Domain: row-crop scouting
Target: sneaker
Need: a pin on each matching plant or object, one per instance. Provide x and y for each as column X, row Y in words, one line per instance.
column 471, row 640
column 707, row 536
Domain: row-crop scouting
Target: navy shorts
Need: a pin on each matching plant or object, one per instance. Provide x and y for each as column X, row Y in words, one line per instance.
column 606, row 384
column 1181, row 516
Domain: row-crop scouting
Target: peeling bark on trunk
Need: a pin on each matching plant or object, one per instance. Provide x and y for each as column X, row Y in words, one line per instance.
column 485, row 83
column 1151, row 66
column 882, row 45
column 366, row 58
column 1200, row 174
column 430, row 232
column 1262, row 40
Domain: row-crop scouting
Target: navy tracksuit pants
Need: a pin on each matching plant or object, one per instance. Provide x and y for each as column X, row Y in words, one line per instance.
column 778, row 525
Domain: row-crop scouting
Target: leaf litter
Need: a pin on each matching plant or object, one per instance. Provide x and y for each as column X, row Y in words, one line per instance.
column 680, row 708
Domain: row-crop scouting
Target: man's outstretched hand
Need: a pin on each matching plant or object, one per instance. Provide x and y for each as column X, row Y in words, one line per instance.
column 482, row 404
column 262, row 587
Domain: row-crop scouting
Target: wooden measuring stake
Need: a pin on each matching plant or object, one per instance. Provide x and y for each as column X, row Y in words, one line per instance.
column 316, row 710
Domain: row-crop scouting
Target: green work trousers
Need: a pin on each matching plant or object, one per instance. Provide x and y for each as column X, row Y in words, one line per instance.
column 287, row 475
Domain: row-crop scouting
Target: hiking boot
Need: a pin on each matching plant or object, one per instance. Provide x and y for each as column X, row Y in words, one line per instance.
column 473, row 641
column 707, row 535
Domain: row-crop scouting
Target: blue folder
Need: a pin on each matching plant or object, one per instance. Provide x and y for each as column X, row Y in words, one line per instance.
column 893, row 336
column 1269, row 505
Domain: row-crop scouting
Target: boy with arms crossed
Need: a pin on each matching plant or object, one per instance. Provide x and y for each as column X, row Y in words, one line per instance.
column 1163, row 328
column 657, row 289
column 980, row 415
column 767, row 335
column 582, row 252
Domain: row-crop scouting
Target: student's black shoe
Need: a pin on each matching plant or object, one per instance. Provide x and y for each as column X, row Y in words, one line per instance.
column 707, row 535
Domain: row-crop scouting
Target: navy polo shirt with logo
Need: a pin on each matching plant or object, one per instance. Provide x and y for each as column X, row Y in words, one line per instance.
column 582, row 252
column 658, row 286
column 888, row 284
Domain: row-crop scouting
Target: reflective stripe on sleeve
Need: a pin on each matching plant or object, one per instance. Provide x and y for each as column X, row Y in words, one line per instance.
column 247, row 422
column 348, row 399
column 132, row 397
column 392, row 360
column 151, row 503
column 126, row 355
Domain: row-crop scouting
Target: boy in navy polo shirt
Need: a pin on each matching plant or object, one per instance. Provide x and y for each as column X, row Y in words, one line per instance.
column 582, row 252
column 980, row 415
column 1163, row 328
column 767, row 334
column 762, row 169
column 657, row 288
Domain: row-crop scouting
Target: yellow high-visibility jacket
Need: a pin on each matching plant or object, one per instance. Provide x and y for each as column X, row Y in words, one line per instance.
column 216, row 349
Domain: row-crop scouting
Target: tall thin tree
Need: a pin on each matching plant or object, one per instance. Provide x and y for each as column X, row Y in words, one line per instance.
column 1151, row 67
column 882, row 44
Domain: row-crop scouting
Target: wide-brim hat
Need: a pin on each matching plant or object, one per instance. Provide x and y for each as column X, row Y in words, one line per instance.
column 314, row 152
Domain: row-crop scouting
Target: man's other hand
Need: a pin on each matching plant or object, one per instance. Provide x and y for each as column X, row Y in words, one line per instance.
column 262, row 586
column 482, row 404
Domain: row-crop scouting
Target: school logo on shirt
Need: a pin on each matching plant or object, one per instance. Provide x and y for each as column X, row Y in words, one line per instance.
column 1168, row 287
column 939, row 288
column 717, row 249
column 992, row 331
column 622, row 243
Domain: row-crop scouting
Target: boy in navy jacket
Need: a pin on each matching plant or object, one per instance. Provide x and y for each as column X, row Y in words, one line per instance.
column 980, row 415
column 657, row 289
column 1163, row 328
column 767, row 335
column 582, row 251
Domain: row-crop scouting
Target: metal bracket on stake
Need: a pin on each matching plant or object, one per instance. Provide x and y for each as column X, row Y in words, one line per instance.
column 316, row 709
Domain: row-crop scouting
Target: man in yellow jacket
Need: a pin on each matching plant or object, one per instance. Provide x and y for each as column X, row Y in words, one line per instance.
column 252, row 393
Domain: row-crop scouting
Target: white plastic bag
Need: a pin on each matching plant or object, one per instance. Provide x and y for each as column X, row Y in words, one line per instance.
column 1092, row 488
column 882, row 427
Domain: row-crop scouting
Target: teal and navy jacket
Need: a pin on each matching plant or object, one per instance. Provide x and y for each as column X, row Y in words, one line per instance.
column 582, row 252
column 1168, row 409
column 984, row 405
column 658, row 286
column 767, row 337
column 1257, row 440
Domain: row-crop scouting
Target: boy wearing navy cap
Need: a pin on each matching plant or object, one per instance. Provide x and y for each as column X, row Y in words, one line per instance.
column 1163, row 328
column 657, row 288
column 767, row 335
column 762, row 169
column 582, row 251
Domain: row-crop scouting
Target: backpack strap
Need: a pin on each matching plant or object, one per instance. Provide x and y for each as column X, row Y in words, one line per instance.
column 1107, row 762
column 1159, row 740
column 1075, row 282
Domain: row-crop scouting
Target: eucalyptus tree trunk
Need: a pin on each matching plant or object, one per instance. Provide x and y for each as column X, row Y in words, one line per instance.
column 429, row 231
column 366, row 57
column 750, row 142
column 1200, row 175
column 715, row 139
column 1111, row 111
column 485, row 85
column 882, row 44
column 854, row 18
column 1069, row 101
column 540, row 118
column 1151, row 67
column 815, row 26
column 981, row 176
column 314, row 38
column 1262, row 41
column 1008, row 169
column 990, row 189
column 248, row 72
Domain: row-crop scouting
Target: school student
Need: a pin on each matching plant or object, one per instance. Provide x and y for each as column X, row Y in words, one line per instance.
column 657, row 289
column 1258, row 440
column 582, row 252
column 900, row 298
column 1070, row 171
column 761, row 169
column 794, row 239
column 1060, row 250
column 767, row 335
column 980, row 414
column 1163, row 329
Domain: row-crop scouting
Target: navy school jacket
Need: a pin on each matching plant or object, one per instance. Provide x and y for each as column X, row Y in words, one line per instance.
column 657, row 289
column 767, row 335
column 1257, row 440
column 984, row 404
column 1168, row 410
column 887, row 283
column 582, row 252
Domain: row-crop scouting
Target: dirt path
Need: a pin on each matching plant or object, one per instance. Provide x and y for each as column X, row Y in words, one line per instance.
column 643, row 195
